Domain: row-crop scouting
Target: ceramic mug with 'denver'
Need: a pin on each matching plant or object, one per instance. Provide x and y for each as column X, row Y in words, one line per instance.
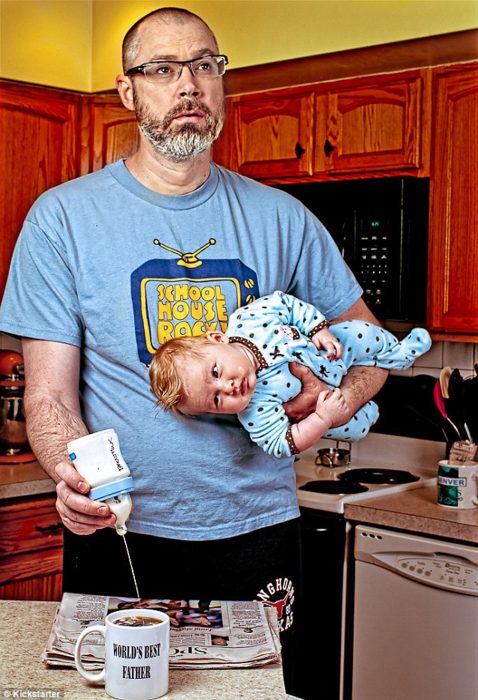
column 136, row 654
column 458, row 485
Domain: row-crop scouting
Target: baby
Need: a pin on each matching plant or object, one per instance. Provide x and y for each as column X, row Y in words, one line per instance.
column 246, row 372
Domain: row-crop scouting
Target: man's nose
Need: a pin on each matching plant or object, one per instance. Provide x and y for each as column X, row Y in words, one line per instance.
column 187, row 83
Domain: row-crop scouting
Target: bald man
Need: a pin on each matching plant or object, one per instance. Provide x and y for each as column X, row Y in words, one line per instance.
column 111, row 265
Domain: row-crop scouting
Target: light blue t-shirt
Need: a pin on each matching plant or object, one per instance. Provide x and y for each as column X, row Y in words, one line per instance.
column 107, row 264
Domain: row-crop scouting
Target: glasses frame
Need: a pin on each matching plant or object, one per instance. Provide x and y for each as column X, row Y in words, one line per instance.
column 139, row 70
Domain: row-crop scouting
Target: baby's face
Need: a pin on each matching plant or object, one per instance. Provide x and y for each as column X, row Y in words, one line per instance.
column 223, row 380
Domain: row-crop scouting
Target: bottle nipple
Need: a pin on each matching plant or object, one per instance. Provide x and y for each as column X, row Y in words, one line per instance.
column 121, row 530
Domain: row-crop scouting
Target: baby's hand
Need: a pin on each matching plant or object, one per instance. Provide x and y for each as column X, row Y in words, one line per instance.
column 324, row 339
column 332, row 407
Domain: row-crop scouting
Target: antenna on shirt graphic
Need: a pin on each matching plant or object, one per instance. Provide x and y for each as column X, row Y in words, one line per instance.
column 186, row 259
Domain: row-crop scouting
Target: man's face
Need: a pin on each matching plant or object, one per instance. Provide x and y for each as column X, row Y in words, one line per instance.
column 183, row 118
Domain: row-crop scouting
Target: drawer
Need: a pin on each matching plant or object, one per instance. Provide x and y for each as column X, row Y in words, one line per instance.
column 29, row 525
column 26, row 566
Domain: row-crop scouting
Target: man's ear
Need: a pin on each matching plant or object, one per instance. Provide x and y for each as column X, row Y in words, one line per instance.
column 125, row 90
column 217, row 337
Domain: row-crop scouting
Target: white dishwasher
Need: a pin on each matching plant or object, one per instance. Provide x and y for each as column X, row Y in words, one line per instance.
column 415, row 624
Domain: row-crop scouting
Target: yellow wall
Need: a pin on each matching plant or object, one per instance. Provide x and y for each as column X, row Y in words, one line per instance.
column 76, row 43
column 47, row 42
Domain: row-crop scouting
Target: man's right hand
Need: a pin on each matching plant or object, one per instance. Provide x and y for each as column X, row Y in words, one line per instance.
column 79, row 513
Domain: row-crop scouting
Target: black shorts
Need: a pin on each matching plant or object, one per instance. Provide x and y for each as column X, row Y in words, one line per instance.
column 261, row 565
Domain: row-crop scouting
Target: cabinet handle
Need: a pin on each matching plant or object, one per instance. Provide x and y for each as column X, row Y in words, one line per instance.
column 328, row 148
column 299, row 151
column 49, row 529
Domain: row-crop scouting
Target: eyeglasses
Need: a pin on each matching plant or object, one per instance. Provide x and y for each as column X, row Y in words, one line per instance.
column 170, row 71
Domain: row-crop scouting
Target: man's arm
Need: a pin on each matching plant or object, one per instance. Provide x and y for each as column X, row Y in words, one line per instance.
column 358, row 386
column 52, row 409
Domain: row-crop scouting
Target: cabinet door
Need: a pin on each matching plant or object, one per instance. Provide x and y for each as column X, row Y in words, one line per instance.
column 369, row 125
column 453, row 251
column 270, row 135
column 110, row 132
column 39, row 137
column 31, row 549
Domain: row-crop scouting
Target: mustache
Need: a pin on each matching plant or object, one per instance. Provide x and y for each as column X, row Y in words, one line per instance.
column 189, row 104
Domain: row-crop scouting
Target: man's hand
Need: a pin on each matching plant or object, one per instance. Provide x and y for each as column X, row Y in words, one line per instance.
column 79, row 513
column 304, row 403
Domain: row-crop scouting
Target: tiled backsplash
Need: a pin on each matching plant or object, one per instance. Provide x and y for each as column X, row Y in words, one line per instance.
column 463, row 356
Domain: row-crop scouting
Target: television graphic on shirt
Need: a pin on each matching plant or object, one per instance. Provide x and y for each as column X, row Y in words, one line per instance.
column 182, row 293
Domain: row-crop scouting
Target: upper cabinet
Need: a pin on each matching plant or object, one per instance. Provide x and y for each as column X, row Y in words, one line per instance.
column 372, row 124
column 109, row 132
column 349, row 128
column 453, row 243
column 39, row 146
column 268, row 134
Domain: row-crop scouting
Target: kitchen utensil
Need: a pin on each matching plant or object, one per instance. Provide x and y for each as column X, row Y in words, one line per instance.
column 333, row 457
column 331, row 461
column 462, row 451
column 455, row 404
column 13, row 434
column 444, row 379
column 469, row 403
column 440, row 404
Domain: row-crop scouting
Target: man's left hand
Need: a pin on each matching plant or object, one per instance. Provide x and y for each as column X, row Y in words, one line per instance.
column 304, row 403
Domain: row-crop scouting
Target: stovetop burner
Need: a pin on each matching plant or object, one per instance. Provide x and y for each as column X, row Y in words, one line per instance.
column 378, row 476
column 334, row 487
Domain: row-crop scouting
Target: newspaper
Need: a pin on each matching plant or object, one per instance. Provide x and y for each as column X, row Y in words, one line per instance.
column 204, row 634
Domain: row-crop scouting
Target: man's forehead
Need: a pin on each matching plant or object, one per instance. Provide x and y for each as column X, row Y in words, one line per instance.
column 163, row 35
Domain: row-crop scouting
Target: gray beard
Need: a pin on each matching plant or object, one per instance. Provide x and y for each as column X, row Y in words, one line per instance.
column 183, row 143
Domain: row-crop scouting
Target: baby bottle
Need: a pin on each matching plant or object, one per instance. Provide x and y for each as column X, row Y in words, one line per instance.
column 97, row 457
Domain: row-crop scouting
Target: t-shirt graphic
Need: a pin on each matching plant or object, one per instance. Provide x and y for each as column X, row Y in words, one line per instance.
column 186, row 295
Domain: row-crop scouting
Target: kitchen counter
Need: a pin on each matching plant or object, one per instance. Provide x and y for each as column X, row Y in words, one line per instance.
column 24, row 633
column 417, row 511
column 24, row 479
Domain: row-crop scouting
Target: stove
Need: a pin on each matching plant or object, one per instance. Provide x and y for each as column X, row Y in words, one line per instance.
column 327, row 544
column 380, row 465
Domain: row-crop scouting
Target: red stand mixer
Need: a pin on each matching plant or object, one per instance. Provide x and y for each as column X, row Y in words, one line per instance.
column 14, row 445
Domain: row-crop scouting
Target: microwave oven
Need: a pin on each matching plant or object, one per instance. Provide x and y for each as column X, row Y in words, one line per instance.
column 381, row 227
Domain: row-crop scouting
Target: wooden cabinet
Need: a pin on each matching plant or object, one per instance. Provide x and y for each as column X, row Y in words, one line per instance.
column 453, row 244
column 342, row 129
column 372, row 124
column 109, row 132
column 31, row 549
column 39, row 143
column 269, row 135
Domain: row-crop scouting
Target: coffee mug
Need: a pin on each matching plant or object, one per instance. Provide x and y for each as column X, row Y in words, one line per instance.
column 458, row 485
column 136, row 654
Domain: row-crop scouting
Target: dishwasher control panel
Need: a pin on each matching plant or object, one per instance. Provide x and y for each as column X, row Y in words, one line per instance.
column 438, row 563
column 441, row 571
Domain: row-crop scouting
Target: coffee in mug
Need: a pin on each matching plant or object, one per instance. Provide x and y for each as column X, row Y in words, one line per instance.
column 136, row 621
column 136, row 654
column 457, row 485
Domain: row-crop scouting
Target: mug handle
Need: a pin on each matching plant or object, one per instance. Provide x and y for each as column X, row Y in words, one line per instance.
column 89, row 675
column 474, row 498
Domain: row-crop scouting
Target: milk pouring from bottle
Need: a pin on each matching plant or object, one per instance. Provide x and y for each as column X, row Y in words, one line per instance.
column 97, row 457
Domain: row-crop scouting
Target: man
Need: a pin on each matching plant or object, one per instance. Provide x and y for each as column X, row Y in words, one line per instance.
column 109, row 266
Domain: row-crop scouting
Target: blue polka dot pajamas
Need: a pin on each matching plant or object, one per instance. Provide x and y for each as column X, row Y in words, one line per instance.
column 278, row 329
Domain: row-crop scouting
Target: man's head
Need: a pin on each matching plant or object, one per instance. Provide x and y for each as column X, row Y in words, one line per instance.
column 203, row 374
column 179, row 107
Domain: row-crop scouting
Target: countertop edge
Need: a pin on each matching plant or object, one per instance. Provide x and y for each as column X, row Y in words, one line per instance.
column 27, row 488
column 393, row 511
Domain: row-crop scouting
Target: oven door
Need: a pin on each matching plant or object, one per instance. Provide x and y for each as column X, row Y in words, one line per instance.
column 325, row 551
